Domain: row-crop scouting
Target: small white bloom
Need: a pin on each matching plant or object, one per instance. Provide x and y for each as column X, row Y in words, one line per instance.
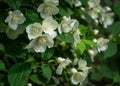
column 49, row 26
column 76, row 37
column 56, row 2
column 93, row 14
column 106, row 9
column 95, row 40
column 62, row 65
column 15, row 18
column 34, row 30
column 82, row 65
column 75, row 62
column 67, row 24
column 95, row 31
column 78, row 77
column 108, row 19
column 60, row 59
column 47, row 9
column 92, row 52
column 77, row 3
column 73, row 70
column 29, row 84
column 93, row 3
column 41, row 43
column 102, row 44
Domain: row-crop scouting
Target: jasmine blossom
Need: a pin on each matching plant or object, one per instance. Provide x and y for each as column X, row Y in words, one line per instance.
column 49, row 26
column 40, row 43
column 47, row 9
column 102, row 44
column 62, row 65
column 15, row 18
column 34, row 30
column 67, row 24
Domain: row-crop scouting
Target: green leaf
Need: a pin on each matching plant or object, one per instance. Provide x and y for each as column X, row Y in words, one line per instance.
column 2, row 66
column 89, row 42
column 32, row 16
column 15, row 4
column 46, row 71
column 116, row 7
column 68, row 1
column 2, row 27
column 115, row 28
column 112, row 49
column 95, row 76
column 65, row 11
column 35, row 78
column 108, row 2
column 116, row 78
column 2, row 48
column 48, row 54
column 83, row 29
column 2, row 84
column 81, row 46
column 65, row 38
column 18, row 74
column 13, row 34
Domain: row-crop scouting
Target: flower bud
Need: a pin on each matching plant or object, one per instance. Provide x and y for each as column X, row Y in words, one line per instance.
column 95, row 32
column 95, row 40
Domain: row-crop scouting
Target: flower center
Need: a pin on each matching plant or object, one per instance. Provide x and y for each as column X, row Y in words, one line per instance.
column 47, row 9
column 15, row 19
column 35, row 31
column 41, row 40
column 47, row 25
column 77, row 76
column 64, row 25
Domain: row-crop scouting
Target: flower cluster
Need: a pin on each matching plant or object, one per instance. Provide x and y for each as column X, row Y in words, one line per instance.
column 65, row 34
column 42, row 36
column 101, row 45
column 100, row 15
column 79, row 74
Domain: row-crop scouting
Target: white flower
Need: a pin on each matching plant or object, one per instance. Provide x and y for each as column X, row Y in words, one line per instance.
column 75, row 62
column 67, row 24
column 56, row 2
column 47, row 9
column 94, row 40
column 82, row 65
column 107, row 19
column 95, row 32
column 102, row 44
column 34, row 30
column 29, row 84
column 78, row 77
column 93, row 14
column 92, row 52
column 76, row 37
column 15, row 18
column 49, row 26
column 93, row 3
column 106, row 9
column 62, row 65
column 41, row 43
column 77, row 3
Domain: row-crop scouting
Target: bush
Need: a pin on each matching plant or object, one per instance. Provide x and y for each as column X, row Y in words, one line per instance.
column 59, row 43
